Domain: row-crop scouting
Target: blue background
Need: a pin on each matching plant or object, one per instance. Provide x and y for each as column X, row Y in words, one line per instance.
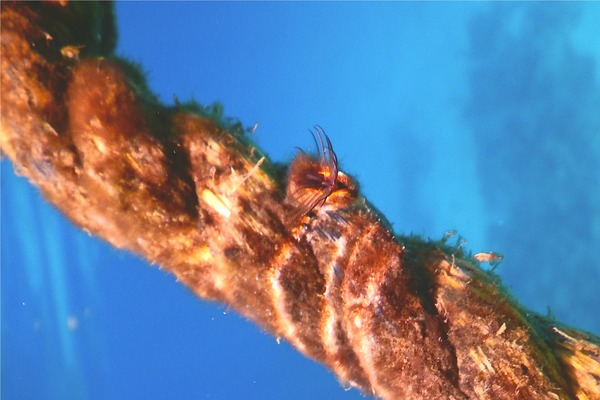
column 470, row 116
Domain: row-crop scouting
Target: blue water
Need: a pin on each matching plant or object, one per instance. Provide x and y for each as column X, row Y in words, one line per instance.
column 476, row 117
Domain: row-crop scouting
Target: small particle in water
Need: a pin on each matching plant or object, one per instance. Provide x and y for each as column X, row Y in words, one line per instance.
column 488, row 257
column 72, row 323
column 448, row 234
column 253, row 128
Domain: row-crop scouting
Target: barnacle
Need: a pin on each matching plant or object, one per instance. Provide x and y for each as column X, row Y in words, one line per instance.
column 311, row 180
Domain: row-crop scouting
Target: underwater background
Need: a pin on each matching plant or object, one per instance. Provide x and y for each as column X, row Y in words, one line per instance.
column 476, row 117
